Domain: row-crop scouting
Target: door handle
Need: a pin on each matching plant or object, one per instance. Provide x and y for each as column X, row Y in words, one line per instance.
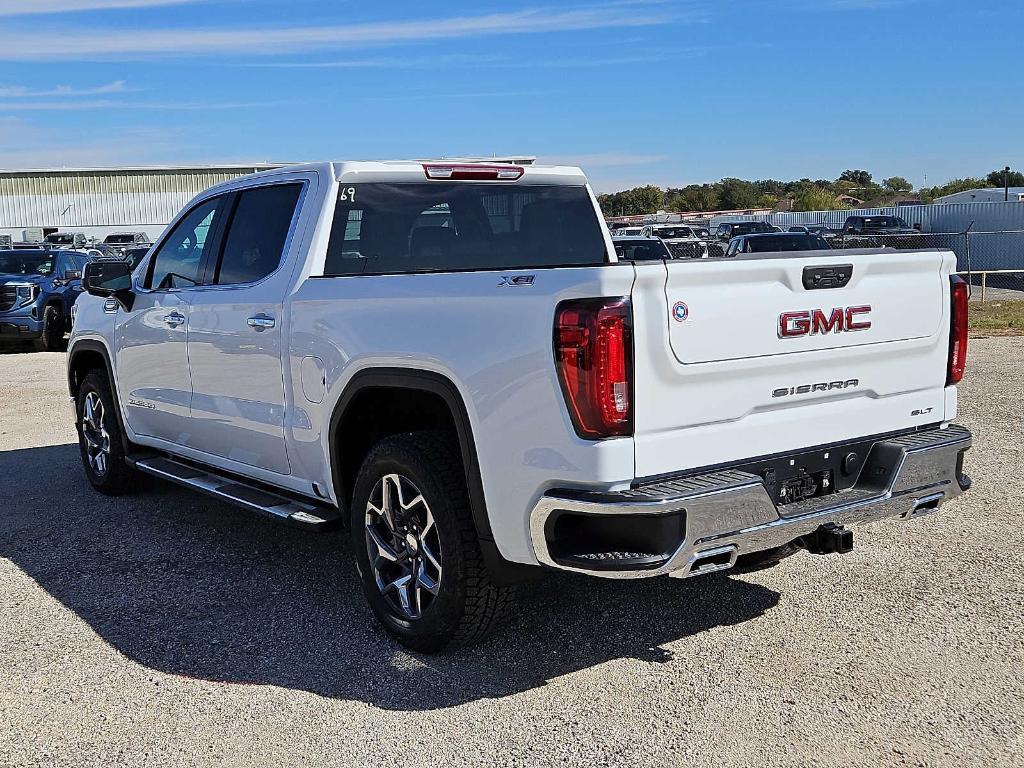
column 261, row 322
column 174, row 319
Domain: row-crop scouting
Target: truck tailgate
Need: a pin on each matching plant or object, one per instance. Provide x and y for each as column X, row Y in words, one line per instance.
column 737, row 359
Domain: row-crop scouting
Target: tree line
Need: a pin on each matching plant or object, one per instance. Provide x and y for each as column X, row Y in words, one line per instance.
column 801, row 195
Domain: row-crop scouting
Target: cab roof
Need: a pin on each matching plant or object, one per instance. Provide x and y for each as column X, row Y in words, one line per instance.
column 397, row 171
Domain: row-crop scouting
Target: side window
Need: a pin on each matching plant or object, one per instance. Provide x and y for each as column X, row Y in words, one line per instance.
column 257, row 233
column 177, row 263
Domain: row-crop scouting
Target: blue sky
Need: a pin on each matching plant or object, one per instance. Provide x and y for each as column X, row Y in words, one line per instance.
column 635, row 91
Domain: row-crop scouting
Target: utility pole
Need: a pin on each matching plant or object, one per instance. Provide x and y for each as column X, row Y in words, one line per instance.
column 1006, row 184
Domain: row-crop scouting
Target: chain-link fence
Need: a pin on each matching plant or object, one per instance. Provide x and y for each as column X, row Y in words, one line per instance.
column 908, row 241
column 998, row 253
column 694, row 249
column 975, row 251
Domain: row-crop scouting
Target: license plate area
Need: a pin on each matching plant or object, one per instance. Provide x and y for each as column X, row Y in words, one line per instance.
column 811, row 474
column 803, row 485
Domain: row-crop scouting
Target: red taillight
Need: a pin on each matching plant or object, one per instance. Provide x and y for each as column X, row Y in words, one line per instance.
column 594, row 357
column 440, row 172
column 957, row 330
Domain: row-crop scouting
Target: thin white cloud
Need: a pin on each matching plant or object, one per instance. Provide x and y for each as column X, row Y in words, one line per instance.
column 27, row 144
column 645, row 55
column 276, row 40
column 128, row 106
column 39, row 7
column 392, row 62
column 24, row 92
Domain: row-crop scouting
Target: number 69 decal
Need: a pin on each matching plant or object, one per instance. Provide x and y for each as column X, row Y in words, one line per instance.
column 348, row 194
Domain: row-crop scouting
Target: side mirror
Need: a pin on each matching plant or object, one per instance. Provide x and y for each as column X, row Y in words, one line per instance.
column 110, row 279
column 72, row 274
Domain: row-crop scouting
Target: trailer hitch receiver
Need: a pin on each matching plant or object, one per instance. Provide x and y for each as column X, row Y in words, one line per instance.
column 829, row 539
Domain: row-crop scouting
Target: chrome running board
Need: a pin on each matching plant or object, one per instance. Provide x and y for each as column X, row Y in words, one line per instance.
column 303, row 514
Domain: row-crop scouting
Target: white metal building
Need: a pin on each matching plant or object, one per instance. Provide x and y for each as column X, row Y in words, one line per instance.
column 987, row 195
column 100, row 201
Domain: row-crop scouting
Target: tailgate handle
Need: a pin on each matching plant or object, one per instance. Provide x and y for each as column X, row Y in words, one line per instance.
column 827, row 276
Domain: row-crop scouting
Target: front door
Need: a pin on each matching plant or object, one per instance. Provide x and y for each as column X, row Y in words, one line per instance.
column 235, row 333
column 151, row 340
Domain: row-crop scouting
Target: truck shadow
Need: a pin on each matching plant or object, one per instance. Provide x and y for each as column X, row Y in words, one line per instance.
column 192, row 587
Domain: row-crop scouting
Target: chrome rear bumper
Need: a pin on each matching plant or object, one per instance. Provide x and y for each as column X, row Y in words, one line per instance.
column 727, row 513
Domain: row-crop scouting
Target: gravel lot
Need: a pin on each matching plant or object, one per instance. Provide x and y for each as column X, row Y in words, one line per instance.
column 167, row 629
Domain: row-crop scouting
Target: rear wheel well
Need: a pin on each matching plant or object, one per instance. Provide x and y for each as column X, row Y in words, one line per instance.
column 377, row 412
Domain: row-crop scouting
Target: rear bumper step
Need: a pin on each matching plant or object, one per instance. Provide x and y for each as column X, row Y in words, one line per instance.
column 302, row 514
column 699, row 524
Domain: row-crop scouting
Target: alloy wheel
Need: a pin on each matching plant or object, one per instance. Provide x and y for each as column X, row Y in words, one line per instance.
column 403, row 546
column 97, row 439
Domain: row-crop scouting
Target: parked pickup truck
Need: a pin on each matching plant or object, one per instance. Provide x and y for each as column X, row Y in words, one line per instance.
column 682, row 241
column 451, row 359
column 37, row 291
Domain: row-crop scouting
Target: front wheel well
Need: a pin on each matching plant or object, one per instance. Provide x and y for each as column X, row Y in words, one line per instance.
column 79, row 366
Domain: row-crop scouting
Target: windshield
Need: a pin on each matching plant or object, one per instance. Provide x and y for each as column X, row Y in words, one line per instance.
column 642, row 250
column 748, row 227
column 672, row 233
column 61, row 239
column 887, row 222
column 119, row 239
column 785, row 242
column 15, row 263
column 383, row 228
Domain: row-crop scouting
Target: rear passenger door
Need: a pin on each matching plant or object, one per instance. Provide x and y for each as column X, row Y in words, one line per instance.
column 235, row 333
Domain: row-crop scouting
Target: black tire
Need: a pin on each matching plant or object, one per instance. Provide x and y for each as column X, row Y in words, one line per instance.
column 52, row 339
column 466, row 605
column 112, row 475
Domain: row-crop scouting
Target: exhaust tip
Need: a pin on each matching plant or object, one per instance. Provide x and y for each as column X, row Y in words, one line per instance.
column 711, row 560
column 926, row 505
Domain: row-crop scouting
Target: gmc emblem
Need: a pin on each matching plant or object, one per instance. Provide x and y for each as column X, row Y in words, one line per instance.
column 811, row 322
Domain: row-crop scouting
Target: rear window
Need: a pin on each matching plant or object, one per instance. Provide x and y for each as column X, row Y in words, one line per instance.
column 439, row 227
column 884, row 221
column 668, row 233
column 119, row 239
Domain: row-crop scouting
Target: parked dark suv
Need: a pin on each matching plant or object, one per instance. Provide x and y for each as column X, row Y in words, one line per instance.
column 877, row 225
column 775, row 242
column 37, row 289
column 879, row 232
column 728, row 230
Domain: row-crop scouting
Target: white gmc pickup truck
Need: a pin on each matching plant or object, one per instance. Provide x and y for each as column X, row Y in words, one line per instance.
column 449, row 359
